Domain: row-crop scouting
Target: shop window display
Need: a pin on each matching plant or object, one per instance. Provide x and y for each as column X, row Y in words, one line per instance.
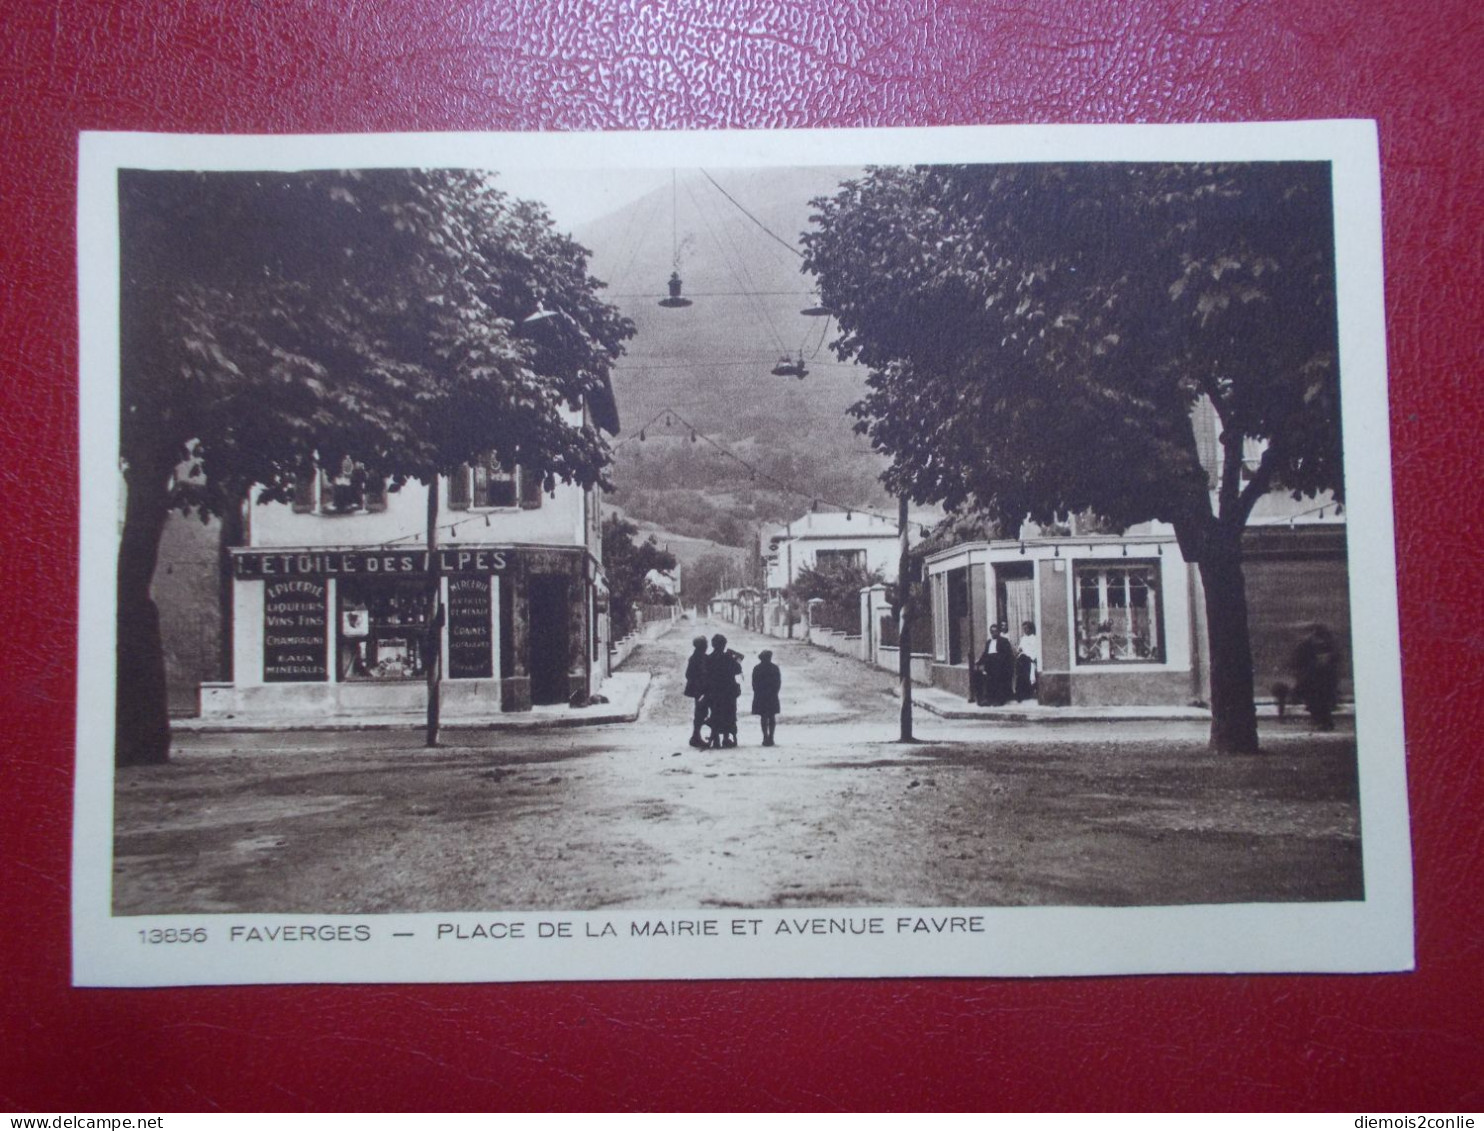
column 383, row 630
column 1118, row 614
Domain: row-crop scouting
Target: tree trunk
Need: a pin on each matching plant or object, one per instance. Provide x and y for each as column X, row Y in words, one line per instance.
column 432, row 661
column 1233, row 711
column 142, row 708
column 904, row 622
column 231, row 534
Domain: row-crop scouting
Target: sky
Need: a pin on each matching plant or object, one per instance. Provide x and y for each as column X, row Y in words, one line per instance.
column 576, row 196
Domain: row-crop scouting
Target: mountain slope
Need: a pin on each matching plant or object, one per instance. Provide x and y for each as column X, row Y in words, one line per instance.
column 709, row 364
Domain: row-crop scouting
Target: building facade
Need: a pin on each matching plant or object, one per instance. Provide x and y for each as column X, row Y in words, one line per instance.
column 331, row 598
column 1120, row 619
column 863, row 541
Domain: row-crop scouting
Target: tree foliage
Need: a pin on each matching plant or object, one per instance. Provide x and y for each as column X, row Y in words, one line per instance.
column 704, row 578
column 1039, row 336
column 272, row 321
column 627, row 564
column 837, row 584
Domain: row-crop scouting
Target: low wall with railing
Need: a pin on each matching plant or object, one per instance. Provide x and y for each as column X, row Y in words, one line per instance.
column 846, row 644
column 620, row 651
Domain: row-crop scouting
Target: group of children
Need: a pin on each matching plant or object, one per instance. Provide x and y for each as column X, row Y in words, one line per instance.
column 713, row 680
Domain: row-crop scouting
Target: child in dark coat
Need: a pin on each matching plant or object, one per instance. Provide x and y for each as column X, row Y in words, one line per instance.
column 766, row 680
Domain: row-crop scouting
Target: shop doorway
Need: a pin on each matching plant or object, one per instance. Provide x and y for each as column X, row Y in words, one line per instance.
column 959, row 626
column 549, row 615
column 1015, row 596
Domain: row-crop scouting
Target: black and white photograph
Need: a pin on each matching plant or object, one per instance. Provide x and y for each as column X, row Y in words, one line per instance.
column 861, row 553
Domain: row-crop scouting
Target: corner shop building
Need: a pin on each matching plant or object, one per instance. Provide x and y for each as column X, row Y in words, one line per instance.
column 330, row 605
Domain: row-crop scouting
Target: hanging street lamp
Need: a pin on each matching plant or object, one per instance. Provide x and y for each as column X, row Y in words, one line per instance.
column 674, row 300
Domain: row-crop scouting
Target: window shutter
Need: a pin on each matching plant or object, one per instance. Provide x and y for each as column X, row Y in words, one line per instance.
column 304, row 493
column 530, row 489
column 458, row 489
column 376, row 493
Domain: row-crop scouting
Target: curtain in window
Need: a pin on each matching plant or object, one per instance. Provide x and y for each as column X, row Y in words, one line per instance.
column 1020, row 604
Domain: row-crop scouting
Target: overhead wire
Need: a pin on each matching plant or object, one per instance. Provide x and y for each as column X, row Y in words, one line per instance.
column 753, row 470
column 781, row 242
column 674, row 221
column 738, row 269
column 633, row 245
column 756, row 472
column 716, row 294
column 743, row 362
column 753, row 294
column 774, row 235
column 824, row 333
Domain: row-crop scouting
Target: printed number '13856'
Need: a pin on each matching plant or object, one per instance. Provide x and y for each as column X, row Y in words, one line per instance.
column 173, row 935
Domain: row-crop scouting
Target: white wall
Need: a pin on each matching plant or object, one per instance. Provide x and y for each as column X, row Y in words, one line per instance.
column 247, row 633
column 556, row 522
column 881, row 553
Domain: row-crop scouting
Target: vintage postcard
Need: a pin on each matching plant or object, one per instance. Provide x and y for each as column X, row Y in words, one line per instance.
column 874, row 553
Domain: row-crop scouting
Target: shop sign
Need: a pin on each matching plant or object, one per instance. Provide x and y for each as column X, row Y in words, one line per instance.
column 470, row 644
column 294, row 631
column 268, row 564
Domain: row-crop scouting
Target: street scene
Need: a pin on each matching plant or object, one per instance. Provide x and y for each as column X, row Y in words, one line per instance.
column 433, row 479
column 837, row 814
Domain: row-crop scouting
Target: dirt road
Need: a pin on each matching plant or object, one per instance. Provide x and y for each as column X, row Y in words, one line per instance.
column 838, row 814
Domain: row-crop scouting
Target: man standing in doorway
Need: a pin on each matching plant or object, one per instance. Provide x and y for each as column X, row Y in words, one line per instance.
column 996, row 670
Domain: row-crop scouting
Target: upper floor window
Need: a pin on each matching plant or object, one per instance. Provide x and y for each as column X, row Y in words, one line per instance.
column 485, row 484
column 1118, row 613
column 840, row 559
column 348, row 489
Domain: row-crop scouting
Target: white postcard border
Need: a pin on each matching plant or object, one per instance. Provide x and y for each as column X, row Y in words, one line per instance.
column 1371, row 935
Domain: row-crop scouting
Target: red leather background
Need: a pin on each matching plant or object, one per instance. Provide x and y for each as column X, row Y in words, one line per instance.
column 1344, row 1043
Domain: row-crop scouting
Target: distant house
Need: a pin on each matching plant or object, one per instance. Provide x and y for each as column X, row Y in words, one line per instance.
column 665, row 582
column 741, row 606
column 865, row 541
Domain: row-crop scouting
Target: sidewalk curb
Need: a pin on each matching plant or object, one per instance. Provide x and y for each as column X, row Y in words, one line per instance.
column 603, row 715
column 946, row 706
column 1060, row 715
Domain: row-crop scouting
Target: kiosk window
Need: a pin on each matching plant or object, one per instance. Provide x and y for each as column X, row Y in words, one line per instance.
column 1118, row 614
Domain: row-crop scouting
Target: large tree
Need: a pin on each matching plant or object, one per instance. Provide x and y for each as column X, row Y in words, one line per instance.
column 407, row 320
column 1039, row 338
